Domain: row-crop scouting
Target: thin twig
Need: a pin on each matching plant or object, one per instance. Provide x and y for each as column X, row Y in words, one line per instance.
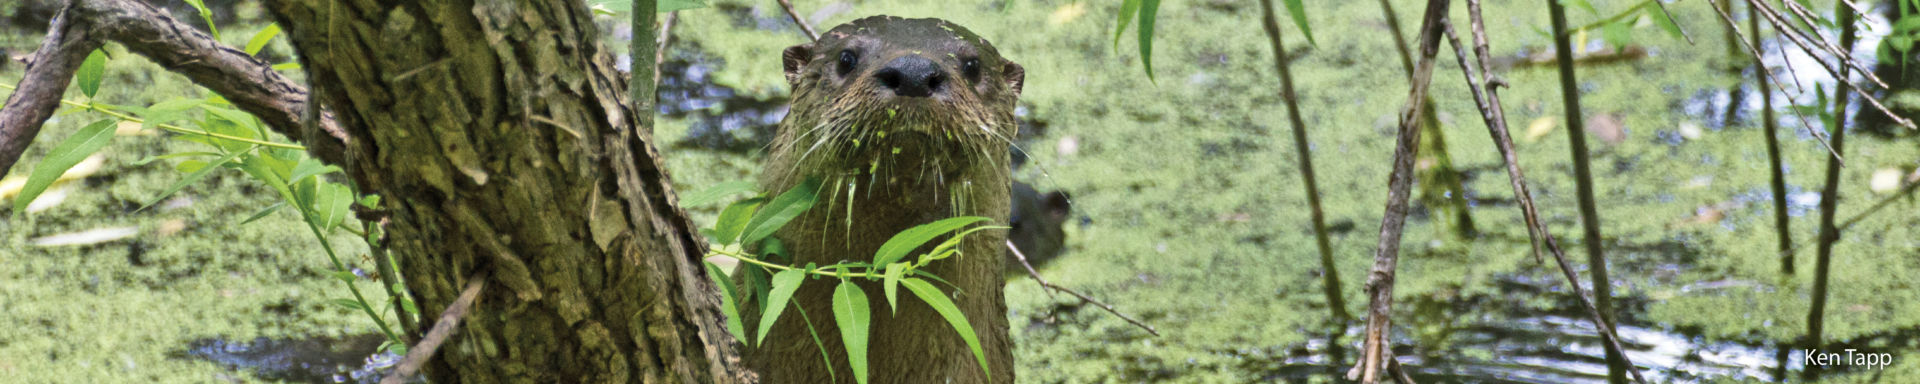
column 1496, row 124
column 788, row 6
column 1671, row 20
column 1845, row 59
column 1804, row 121
column 1083, row 298
column 449, row 319
column 660, row 48
column 1330, row 275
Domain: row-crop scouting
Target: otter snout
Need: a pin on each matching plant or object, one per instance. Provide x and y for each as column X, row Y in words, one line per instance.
column 912, row 76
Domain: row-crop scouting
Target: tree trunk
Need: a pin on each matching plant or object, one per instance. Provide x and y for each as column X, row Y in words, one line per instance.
column 498, row 135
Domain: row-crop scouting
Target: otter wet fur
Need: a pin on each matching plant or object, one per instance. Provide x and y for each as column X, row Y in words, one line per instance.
column 904, row 122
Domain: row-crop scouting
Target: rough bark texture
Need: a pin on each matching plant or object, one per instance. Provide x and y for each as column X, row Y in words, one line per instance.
column 498, row 134
column 67, row 44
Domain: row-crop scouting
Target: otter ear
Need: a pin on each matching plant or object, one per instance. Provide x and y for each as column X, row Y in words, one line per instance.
column 794, row 60
column 1016, row 76
column 1057, row 204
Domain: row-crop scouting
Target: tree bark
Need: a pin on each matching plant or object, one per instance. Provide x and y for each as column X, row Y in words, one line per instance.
column 500, row 137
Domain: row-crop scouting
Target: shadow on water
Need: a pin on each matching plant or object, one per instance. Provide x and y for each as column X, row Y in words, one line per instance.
column 352, row 359
column 1529, row 329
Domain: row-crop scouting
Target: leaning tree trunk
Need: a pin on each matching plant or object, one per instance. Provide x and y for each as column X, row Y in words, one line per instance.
column 499, row 136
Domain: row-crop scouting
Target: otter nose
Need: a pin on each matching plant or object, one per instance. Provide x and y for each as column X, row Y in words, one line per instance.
column 912, row 76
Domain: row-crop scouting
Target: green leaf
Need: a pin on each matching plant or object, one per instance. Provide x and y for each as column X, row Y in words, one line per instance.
column 782, row 209
column 729, row 301
column 734, row 219
column 892, row 284
column 286, row 66
column 950, row 246
column 330, row 204
column 1299, row 13
column 1128, row 9
column 784, row 283
column 1618, row 34
column 940, row 303
column 406, row 303
column 1667, row 23
column 397, row 349
column 674, row 5
column 310, row 167
column 260, row 39
column 1149, row 10
column 714, row 193
column 828, row 360
column 370, row 201
column 344, row 276
column 69, row 152
column 201, row 6
column 263, row 212
column 350, row 304
column 174, row 155
column 91, row 72
column 190, row 178
column 1582, row 4
column 906, row 241
column 850, row 311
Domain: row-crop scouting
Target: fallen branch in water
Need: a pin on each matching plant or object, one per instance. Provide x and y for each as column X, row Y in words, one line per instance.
column 1083, row 298
column 419, row 353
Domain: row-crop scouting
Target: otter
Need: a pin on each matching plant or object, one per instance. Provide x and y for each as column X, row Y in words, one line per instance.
column 904, row 122
column 1035, row 226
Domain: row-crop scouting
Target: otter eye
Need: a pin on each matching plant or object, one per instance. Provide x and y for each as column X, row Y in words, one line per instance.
column 847, row 60
column 971, row 68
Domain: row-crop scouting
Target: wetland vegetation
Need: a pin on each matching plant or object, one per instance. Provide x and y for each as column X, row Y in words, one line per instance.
column 1186, row 207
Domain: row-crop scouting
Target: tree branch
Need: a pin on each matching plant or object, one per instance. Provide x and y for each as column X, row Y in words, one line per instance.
column 68, row 42
column 247, row 82
column 1399, row 185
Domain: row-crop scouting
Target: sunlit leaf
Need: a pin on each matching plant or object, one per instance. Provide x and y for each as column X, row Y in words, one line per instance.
column 1665, row 22
column 286, row 66
column 1299, row 13
column 784, row 283
column 891, row 283
column 90, row 73
column 310, row 167
column 782, row 209
column 906, row 241
column 330, row 204
column 851, row 313
column 714, row 193
column 260, row 39
column 734, row 218
column 200, row 5
column 82, row 143
column 940, row 303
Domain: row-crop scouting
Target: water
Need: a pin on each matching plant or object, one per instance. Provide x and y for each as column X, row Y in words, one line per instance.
column 352, row 359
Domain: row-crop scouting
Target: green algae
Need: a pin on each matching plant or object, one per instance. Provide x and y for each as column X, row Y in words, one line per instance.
column 1207, row 238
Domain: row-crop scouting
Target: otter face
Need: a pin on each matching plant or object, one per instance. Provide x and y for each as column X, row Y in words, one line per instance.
column 886, row 93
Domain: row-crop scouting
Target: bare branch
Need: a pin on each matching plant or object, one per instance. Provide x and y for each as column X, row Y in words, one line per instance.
column 1749, row 45
column 442, row 328
column 1083, row 298
column 1491, row 111
column 247, row 82
column 68, row 42
column 788, row 6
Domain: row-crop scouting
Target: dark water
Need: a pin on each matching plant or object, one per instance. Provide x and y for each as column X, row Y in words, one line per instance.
column 353, row 359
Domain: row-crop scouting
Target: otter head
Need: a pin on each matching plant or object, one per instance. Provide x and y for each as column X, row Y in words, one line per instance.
column 893, row 98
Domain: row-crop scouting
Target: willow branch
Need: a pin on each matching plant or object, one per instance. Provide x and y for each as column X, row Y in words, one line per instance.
column 67, row 44
column 1491, row 111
